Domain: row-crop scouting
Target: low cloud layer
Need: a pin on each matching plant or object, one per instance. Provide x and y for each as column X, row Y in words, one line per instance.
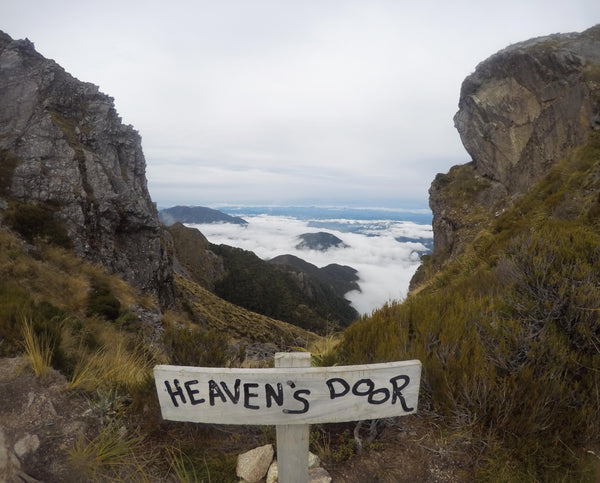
column 385, row 266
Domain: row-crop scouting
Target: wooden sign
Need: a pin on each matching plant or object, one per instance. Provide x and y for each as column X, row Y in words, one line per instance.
column 288, row 395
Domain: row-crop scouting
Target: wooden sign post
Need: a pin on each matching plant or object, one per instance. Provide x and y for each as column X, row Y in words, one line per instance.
column 290, row 394
column 292, row 439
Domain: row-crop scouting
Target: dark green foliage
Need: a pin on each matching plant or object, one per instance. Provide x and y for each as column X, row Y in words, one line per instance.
column 37, row 222
column 8, row 163
column 14, row 302
column 17, row 306
column 194, row 346
column 101, row 301
column 266, row 289
column 48, row 322
column 127, row 320
column 86, row 337
column 509, row 335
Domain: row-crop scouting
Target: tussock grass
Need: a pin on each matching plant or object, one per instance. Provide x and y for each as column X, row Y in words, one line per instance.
column 126, row 294
column 38, row 349
column 59, row 276
column 181, row 466
column 112, row 366
column 108, row 456
column 323, row 350
column 234, row 321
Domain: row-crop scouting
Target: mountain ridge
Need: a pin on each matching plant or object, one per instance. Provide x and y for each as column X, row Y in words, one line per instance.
column 196, row 214
column 67, row 159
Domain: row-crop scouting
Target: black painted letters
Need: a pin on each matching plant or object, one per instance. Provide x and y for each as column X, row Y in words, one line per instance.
column 177, row 392
column 340, row 381
column 286, row 395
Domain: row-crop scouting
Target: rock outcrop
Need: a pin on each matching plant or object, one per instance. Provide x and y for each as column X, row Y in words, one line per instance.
column 521, row 111
column 63, row 145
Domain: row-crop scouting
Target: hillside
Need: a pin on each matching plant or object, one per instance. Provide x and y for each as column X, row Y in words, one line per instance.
column 341, row 278
column 273, row 290
column 88, row 299
column 504, row 314
column 309, row 299
column 321, row 241
column 197, row 214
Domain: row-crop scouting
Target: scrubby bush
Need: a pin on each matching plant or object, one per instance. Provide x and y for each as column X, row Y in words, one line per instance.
column 195, row 346
column 37, row 222
column 101, row 301
column 509, row 334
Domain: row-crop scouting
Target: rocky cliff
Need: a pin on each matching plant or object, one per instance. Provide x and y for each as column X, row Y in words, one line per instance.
column 521, row 111
column 63, row 146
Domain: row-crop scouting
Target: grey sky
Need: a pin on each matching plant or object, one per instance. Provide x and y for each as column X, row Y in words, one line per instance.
column 288, row 102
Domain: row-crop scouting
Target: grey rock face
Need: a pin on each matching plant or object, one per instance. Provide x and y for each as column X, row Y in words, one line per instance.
column 522, row 110
column 527, row 106
column 70, row 148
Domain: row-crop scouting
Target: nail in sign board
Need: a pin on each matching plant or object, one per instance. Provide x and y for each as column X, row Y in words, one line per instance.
column 278, row 396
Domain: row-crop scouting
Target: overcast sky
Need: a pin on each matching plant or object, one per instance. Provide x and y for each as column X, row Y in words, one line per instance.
column 288, row 102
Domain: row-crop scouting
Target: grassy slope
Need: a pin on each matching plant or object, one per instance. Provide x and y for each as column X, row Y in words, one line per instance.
column 235, row 321
column 508, row 332
column 105, row 337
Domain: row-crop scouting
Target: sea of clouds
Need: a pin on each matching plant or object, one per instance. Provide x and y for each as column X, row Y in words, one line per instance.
column 384, row 264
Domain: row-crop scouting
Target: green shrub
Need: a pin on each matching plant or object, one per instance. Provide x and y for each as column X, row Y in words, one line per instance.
column 510, row 353
column 194, row 346
column 102, row 302
column 37, row 222
column 8, row 163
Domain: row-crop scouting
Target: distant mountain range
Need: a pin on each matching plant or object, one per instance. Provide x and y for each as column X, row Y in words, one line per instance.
column 421, row 216
column 196, row 214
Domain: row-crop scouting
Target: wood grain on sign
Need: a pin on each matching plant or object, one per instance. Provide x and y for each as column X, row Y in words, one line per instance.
column 307, row 395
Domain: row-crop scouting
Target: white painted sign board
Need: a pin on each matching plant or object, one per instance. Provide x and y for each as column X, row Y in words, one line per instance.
column 288, row 395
